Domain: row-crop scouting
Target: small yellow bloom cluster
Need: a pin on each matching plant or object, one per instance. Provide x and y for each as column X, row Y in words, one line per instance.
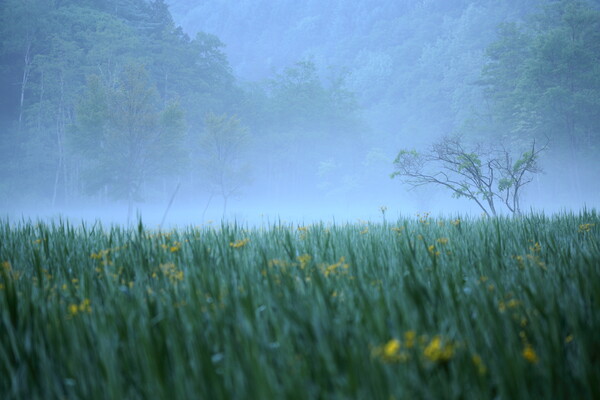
column 423, row 218
column 304, row 260
column 6, row 266
column 536, row 248
column 101, row 254
column 455, row 222
column 529, row 354
column 433, row 251
column 333, row 268
column 172, row 247
column 303, row 232
column 10, row 273
column 398, row 230
column 478, row 362
column 171, row 272
column 533, row 257
column 391, row 352
column 82, row 307
column 442, row 240
column 239, row 243
column 438, row 350
column 586, row 227
column 105, row 255
column 512, row 303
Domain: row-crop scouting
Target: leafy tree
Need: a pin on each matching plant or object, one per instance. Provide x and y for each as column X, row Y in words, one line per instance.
column 543, row 76
column 477, row 173
column 125, row 135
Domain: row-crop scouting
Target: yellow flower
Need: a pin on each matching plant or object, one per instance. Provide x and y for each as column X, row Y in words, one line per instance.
column 391, row 348
column 85, row 306
column 536, row 247
column 455, row 222
column 586, row 227
column 6, row 266
column 366, row 230
column 334, row 267
column 442, row 240
column 304, row 260
column 433, row 251
column 481, row 369
column 569, row 339
column 513, row 303
column 529, row 354
column 501, row 306
column 409, row 338
column 239, row 243
column 73, row 309
column 435, row 351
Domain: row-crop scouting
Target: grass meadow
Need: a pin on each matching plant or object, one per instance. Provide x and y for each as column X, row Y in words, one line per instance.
column 418, row 308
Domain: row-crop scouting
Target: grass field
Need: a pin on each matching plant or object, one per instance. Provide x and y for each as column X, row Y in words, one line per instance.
column 418, row 308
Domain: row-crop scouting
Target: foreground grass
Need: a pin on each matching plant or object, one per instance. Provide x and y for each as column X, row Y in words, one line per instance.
column 422, row 308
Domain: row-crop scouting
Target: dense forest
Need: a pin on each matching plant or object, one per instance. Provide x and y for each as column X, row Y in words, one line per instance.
column 131, row 100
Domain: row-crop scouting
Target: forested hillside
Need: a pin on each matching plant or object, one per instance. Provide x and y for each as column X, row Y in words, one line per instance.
column 288, row 100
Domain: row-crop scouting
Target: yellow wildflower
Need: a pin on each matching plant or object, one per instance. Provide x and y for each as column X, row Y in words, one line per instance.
column 536, row 247
column 437, row 352
column 433, row 251
column 442, row 240
column 334, row 267
column 409, row 339
column 304, row 260
column 481, row 368
column 501, row 306
column 6, row 266
column 239, row 243
column 391, row 348
column 513, row 303
column 569, row 339
column 586, row 227
column 85, row 306
column 529, row 354
column 73, row 309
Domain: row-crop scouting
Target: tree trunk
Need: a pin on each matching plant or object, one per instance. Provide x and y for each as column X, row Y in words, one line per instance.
column 24, row 80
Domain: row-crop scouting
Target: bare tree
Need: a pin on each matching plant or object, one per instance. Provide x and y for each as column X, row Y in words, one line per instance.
column 516, row 174
column 223, row 149
column 479, row 173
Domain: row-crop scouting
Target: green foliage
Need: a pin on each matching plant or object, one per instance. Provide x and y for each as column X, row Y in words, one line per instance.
column 543, row 78
column 124, row 135
column 423, row 308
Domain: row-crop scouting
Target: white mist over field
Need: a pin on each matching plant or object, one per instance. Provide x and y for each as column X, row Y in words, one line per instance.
column 256, row 112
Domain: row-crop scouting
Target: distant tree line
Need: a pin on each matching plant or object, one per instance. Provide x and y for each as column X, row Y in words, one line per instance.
column 111, row 99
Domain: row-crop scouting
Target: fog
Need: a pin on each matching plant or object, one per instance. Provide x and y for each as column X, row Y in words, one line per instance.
column 260, row 112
